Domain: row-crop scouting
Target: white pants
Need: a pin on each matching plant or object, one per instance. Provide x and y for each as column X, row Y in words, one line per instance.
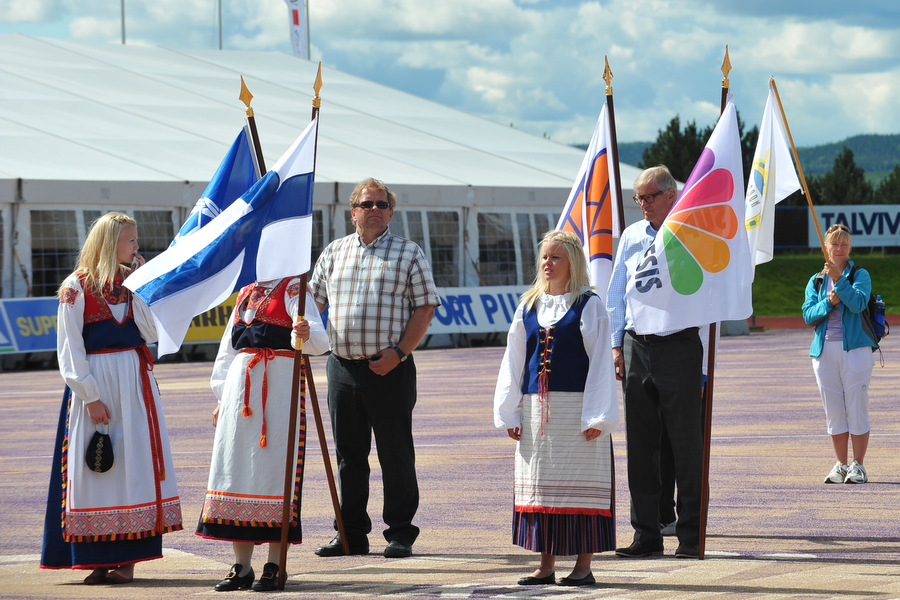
column 843, row 379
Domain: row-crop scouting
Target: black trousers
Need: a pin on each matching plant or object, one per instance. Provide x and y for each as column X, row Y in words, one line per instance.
column 361, row 403
column 663, row 377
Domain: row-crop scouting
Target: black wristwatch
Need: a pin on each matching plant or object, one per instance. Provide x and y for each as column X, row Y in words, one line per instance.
column 400, row 353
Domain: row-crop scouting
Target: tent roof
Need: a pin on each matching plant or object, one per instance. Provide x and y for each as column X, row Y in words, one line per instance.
column 76, row 111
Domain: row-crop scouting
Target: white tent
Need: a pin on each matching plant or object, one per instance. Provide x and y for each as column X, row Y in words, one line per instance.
column 86, row 128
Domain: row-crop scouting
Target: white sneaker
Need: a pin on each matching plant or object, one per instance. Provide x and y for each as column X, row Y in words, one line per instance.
column 838, row 473
column 856, row 473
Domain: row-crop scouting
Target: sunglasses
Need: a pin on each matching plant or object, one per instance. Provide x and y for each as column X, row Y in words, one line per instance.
column 369, row 205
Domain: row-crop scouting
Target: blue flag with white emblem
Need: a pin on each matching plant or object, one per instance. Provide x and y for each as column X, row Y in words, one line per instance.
column 265, row 234
column 235, row 175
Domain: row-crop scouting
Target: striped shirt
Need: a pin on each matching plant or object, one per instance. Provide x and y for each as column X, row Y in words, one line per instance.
column 371, row 291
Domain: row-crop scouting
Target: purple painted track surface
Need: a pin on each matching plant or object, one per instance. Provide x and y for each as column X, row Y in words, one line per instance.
column 774, row 529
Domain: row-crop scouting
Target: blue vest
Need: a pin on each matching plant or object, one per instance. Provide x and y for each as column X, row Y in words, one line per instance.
column 101, row 331
column 566, row 361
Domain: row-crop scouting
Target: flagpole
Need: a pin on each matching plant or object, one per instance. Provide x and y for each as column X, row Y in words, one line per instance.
column 299, row 362
column 614, row 151
column 799, row 168
column 710, row 374
column 246, row 97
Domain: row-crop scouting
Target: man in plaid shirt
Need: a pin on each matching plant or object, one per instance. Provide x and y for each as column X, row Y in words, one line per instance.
column 381, row 297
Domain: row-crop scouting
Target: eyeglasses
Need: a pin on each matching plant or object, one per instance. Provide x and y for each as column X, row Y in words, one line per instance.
column 369, row 205
column 838, row 227
column 647, row 198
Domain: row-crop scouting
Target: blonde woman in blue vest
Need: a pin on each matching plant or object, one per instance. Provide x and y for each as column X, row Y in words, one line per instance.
column 556, row 397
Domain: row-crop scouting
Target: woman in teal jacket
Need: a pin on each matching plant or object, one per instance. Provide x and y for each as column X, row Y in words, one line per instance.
column 841, row 353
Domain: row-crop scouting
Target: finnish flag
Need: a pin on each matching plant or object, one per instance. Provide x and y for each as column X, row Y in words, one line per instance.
column 235, row 175
column 266, row 234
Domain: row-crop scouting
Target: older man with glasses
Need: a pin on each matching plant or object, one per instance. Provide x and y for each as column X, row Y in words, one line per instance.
column 662, row 379
column 382, row 297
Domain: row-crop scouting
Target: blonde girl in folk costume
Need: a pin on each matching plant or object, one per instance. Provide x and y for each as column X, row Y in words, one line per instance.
column 252, row 379
column 108, row 521
column 556, row 397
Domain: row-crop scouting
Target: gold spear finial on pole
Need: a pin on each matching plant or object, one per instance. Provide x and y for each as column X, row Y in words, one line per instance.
column 726, row 68
column 246, row 97
column 317, row 102
column 607, row 76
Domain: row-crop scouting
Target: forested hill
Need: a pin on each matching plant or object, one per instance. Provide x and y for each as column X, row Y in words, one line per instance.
column 875, row 154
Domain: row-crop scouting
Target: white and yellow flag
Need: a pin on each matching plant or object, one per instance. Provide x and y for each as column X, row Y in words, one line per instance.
column 772, row 179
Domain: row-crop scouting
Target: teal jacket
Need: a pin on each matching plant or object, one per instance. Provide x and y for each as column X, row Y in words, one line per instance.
column 854, row 299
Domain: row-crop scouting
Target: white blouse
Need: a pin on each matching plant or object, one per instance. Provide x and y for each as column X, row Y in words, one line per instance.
column 600, row 408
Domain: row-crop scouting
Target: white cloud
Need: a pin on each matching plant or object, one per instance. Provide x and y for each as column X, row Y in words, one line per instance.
column 539, row 63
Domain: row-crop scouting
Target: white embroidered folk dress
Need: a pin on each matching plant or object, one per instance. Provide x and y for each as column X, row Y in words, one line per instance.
column 121, row 503
column 556, row 470
column 245, row 491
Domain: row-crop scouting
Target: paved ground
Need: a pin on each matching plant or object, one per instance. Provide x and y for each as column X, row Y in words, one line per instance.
column 775, row 531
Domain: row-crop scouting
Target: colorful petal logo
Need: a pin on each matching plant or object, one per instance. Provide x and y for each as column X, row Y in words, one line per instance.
column 695, row 232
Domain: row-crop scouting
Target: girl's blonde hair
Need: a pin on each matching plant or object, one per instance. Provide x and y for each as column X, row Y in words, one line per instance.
column 97, row 260
column 579, row 282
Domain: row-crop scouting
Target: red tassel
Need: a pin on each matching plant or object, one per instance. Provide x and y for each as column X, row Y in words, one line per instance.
column 246, row 412
column 262, row 441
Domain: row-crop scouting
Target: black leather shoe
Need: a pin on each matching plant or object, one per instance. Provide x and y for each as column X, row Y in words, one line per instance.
column 685, row 550
column 268, row 581
column 334, row 548
column 640, row 550
column 397, row 549
column 531, row 580
column 586, row 580
column 233, row 581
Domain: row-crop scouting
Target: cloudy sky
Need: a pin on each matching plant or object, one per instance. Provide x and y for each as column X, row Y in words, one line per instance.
column 538, row 64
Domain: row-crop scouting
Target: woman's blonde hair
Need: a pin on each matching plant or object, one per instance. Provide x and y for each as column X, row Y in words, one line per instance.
column 579, row 280
column 838, row 233
column 98, row 260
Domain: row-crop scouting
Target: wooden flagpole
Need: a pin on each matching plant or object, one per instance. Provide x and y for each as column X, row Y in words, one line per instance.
column 787, row 130
column 614, row 150
column 710, row 374
column 291, row 458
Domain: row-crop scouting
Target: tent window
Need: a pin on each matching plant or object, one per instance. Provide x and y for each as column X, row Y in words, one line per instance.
column 90, row 216
column 54, row 249
column 414, row 230
column 542, row 224
column 318, row 236
column 527, row 242
column 155, row 231
column 496, row 249
column 445, row 245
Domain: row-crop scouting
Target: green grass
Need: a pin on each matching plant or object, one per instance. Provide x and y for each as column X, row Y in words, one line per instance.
column 779, row 284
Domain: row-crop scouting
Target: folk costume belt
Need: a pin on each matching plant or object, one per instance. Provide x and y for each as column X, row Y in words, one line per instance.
column 264, row 355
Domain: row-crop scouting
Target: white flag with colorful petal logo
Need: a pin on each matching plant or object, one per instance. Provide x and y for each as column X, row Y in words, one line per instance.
column 698, row 269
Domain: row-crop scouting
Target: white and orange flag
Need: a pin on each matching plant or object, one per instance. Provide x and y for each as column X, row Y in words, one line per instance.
column 698, row 269
column 590, row 211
